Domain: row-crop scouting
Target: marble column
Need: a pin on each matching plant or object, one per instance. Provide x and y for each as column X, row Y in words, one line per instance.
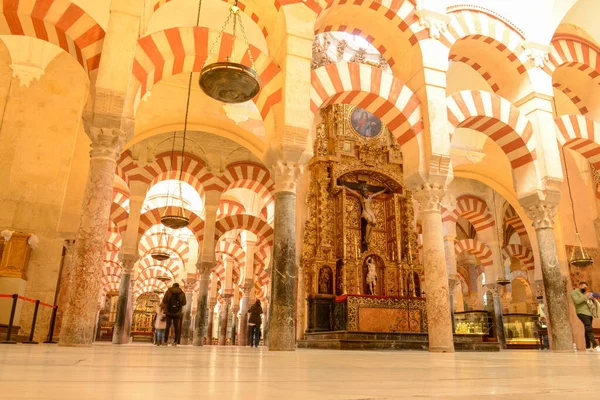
column 542, row 214
column 244, row 306
column 234, row 324
column 120, row 332
column 223, row 318
column 186, row 325
column 79, row 319
column 496, row 291
column 434, row 263
column 282, row 328
column 211, row 318
column 450, row 256
column 201, row 309
column 451, row 287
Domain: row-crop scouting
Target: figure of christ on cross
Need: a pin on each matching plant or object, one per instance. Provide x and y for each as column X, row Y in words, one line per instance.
column 366, row 202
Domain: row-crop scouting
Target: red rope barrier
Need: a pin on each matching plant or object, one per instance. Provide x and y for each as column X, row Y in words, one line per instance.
column 8, row 296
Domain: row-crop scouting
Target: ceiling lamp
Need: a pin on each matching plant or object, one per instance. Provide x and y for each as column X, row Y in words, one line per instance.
column 579, row 257
column 163, row 278
column 158, row 291
column 158, row 254
column 228, row 81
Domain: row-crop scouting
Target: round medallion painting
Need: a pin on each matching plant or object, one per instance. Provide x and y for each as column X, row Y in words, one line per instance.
column 364, row 123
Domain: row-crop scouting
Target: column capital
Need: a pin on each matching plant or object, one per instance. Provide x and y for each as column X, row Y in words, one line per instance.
column 494, row 288
column 286, row 175
column 435, row 22
column 189, row 284
column 204, row 268
column 430, row 197
column 128, row 260
column 107, row 143
column 542, row 214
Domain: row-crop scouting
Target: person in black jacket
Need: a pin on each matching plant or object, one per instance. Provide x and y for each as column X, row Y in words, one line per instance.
column 254, row 323
column 172, row 304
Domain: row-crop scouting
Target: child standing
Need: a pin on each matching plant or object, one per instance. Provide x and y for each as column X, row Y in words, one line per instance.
column 160, row 324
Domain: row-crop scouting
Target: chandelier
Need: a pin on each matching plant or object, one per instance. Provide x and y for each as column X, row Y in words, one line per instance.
column 229, row 81
column 163, row 278
column 158, row 254
column 578, row 257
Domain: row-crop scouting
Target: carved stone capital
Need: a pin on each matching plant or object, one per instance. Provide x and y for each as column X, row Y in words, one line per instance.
column 27, row 73
column 286, row 175
column 128, row 261
column 436, row 23
column 189, row 284
column 204, row 268
column 494, row 288
column 537, row 53
column 106, row 143
column 430, row 197
column 542, row 214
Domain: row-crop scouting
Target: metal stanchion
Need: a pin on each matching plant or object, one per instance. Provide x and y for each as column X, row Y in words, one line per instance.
column 35, row 313
column 51, row 328
column 15, row 298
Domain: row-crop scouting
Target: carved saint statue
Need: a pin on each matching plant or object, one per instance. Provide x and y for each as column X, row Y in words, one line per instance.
column 371, row 275
column 324, row 281
column 366, row 202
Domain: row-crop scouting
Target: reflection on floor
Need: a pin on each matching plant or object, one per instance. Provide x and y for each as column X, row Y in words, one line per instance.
column 146, row 372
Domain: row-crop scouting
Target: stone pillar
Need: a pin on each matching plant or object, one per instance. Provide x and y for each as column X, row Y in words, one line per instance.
column 282, row 330
column 496, row 291
column 542, row 214
column 451, row 287
column 211, row 318
column 186, row 325
column 234, row 323
column 79, row 318
column 223, row 318
column 434, row 263
column 244, row 306
column 450, row 256
column 201, row 310
column 120, row 331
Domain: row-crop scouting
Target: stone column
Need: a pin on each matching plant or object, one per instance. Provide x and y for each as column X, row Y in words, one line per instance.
column 244, row 306
column 450, row 256
column 201, row 310
column 542, row 214
column 186, row 325
column 209, row 328
column 234, row 323
column 79, row 318
column 451, row 287
column 223, row 318
column 120, row 332
column 282, row 330
column 496, row 291
column 434, row 264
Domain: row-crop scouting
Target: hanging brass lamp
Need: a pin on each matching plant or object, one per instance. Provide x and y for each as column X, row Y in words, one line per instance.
column 158, row 254
column 163, row 278
column 229, row 81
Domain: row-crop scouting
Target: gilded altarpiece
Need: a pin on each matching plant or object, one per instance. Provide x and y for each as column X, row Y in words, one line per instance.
column 351, row 160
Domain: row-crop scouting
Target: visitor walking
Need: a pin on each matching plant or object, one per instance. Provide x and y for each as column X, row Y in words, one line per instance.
column 580, row 297
column 173, row 302
column 254, row 323
column 160, row 323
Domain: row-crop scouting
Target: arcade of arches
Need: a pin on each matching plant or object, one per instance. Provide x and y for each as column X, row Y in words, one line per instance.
column 402, row 170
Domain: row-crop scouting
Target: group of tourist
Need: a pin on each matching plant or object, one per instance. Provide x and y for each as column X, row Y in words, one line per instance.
column 587, row 308
column 170, row 313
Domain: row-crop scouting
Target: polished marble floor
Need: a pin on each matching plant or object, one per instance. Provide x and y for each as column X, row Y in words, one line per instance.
column 145, row 372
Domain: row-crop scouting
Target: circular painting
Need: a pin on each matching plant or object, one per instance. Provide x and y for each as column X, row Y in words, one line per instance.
column 364, row 123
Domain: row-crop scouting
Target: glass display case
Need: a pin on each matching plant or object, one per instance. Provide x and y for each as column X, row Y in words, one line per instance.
column 520, row 329
column 472, row 322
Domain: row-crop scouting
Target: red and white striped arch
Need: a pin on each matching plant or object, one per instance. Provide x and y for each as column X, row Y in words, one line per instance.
column 119, row 216
column 155, row 271
column 147, row 286
column 576, row 100
column 468, row 23
column 372, row 89
column 152, row 217
column 60, row 22
column 114, row 236
column 148, row 243
column 398, row 15
column 121, row 198
column 582, row 134
column 512, row 218
column 575, row 52
column 173, row 265
column 478, row 249
column 522, row 253
column 496, row 118
column 245, row 222
column 110, row 268
column 475, row 210
column 232, row 250
column 109, row 283
column 184, row 49
column 474, row 63
column 112, row 257
column 230, row 207
column 109, row 287
column 248, row 175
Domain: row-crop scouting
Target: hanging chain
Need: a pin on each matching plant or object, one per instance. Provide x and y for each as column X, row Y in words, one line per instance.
column 246, row 43
column 217, row 40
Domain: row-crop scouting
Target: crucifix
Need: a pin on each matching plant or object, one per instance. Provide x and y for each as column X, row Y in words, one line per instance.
column 366, row 194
